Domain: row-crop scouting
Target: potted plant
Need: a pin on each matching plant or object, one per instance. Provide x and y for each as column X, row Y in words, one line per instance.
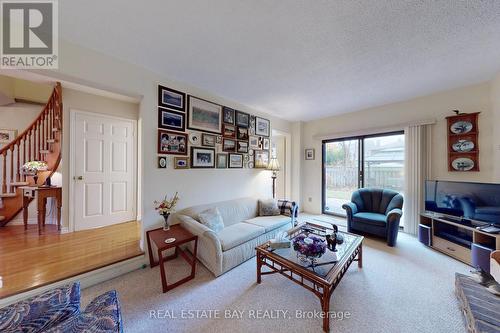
column 165, row 208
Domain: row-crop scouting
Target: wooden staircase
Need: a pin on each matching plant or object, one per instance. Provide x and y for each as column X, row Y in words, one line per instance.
column 41, row 141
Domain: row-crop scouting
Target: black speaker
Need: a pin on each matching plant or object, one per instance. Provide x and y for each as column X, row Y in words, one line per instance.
column 424, row 234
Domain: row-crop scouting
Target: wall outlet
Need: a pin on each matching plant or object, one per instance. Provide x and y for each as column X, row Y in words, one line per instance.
column 310, row 199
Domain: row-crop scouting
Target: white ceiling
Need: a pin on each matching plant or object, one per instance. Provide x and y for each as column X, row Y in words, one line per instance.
column 298, row 60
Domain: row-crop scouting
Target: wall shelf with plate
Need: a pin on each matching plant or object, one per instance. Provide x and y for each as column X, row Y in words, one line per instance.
column 463, row 146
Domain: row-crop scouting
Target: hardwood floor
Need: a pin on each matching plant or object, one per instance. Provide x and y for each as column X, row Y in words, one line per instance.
column 28, row 261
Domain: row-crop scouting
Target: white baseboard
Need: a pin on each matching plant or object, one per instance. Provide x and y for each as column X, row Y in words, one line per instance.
column 86, row 280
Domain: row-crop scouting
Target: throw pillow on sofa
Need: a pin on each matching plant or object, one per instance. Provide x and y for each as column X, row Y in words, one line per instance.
column 268, row 207
column 212, row 219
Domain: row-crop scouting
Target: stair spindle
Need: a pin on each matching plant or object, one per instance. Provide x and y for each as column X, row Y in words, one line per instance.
column 11, row 168
column 18, row 174
column 4, row 172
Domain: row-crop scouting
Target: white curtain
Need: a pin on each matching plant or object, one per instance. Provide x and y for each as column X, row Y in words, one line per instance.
column 417, row 170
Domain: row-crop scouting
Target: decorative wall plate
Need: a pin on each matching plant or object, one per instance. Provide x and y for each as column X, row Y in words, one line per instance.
column 195, row 138
column 250, row 165
column 463, row 146
column 462, row 164
column 461, row 127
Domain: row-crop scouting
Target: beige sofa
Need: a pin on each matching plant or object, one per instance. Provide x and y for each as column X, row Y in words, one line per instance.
column 243, row 231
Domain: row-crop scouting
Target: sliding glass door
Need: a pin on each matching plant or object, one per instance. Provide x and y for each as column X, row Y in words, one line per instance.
column 365, row 161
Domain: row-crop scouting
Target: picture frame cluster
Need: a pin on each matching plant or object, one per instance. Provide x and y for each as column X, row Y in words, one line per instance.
column 203, row 135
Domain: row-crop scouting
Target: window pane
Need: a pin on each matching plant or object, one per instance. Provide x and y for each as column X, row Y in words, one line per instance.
column 384, row 162
column 341, row 174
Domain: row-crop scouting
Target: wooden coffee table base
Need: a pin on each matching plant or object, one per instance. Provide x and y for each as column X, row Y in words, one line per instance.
column 323, row 288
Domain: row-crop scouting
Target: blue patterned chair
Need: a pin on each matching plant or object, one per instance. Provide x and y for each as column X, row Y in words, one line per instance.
column 58, row 310
column 375, row 211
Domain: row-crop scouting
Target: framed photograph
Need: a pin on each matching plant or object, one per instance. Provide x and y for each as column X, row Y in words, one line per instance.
column 243, row 133
column 181, row 163
column 218, row 139
column 208, row 140
column 266, row 143
column 229, row 145
column 309, row 153
column 229, row 131
column 262, row 126
column 235, row 161
column 221, row 161
column 162, row 162
column 242, row 147
column 261, row 159
column 204, row 115
column 242, row 119
column 228, row 117
column 254, row 143
column 172, row 99
column 171, row 120
column 7, row 135
column 172, row 143
column 202, row 157
column 251, row 127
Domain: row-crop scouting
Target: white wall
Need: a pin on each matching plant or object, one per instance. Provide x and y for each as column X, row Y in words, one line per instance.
column 437, row 106
column 194, row 186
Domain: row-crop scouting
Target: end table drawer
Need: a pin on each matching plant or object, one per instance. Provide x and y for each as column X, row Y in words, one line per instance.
column 451, row 249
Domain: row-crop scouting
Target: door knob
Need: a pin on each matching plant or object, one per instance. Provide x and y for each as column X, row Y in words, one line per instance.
column 78, row 178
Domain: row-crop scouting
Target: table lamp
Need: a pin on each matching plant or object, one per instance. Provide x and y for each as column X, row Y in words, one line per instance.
column 32, row 168
column 274, row 166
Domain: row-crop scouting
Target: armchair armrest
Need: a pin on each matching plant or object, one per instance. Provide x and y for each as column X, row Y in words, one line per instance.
column 289, row 208
column 394, row 215
column 350, row 208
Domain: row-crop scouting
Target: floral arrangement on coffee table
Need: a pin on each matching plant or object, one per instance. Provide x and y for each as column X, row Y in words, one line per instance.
column 309, row 245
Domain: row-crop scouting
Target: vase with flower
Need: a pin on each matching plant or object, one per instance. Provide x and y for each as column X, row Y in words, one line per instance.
column 166, row 207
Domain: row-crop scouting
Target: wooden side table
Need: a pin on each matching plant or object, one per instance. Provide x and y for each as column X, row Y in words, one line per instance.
column 41, row 194
column 182, row 236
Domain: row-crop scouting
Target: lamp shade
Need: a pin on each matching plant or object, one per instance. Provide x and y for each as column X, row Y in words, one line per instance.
column 273, row 165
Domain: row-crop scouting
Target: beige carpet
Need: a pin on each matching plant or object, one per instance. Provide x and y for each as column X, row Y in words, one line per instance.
column 409, row 288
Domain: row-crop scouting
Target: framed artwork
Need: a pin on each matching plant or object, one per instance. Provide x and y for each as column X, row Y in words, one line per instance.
column 251, row 127
column 235, row 161
column 202, row 157
column 228, row 115
column 172, row 99
column 309, row 154
column 7, row 135
column 172, row 143
column 229, row 131
column 171, row 120
column 242, row 133
column 229, row 145
column 218, row 139
column 204, row 115
column 208, row 140
column 195, row 138
column 242, row 147
column 242, row 119
column 266, row 143
column 261, row 159
column 181, row 163
column 221, row 161
column 254, row 143
column 162, row 162
column 262, row 126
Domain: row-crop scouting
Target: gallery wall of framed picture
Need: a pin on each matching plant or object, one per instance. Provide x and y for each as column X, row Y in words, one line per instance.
column 202, row 134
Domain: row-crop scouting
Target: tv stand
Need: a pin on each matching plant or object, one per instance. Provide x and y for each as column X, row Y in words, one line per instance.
column 458, row 238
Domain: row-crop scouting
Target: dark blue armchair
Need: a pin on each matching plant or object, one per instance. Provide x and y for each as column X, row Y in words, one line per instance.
column 375, row 211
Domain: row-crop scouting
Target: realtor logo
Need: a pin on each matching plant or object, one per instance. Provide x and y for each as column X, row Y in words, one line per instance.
column 29, row 34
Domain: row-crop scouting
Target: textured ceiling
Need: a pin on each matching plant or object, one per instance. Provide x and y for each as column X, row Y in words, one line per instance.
column 298, row 60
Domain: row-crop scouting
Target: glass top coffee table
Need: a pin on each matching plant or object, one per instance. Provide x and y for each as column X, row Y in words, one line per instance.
column 321, row 276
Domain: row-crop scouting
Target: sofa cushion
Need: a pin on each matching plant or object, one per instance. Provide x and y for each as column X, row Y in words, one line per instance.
column 268, row 207
column 212, row 219
column 232, row 211
column 40, row 312
column 237, row 234
column 370, row 218
column 270, row 222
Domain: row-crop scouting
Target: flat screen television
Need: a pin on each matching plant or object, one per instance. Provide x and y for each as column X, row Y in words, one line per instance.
column 473, row 201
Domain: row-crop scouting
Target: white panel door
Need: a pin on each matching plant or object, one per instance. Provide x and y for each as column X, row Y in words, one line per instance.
column 104, row 170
